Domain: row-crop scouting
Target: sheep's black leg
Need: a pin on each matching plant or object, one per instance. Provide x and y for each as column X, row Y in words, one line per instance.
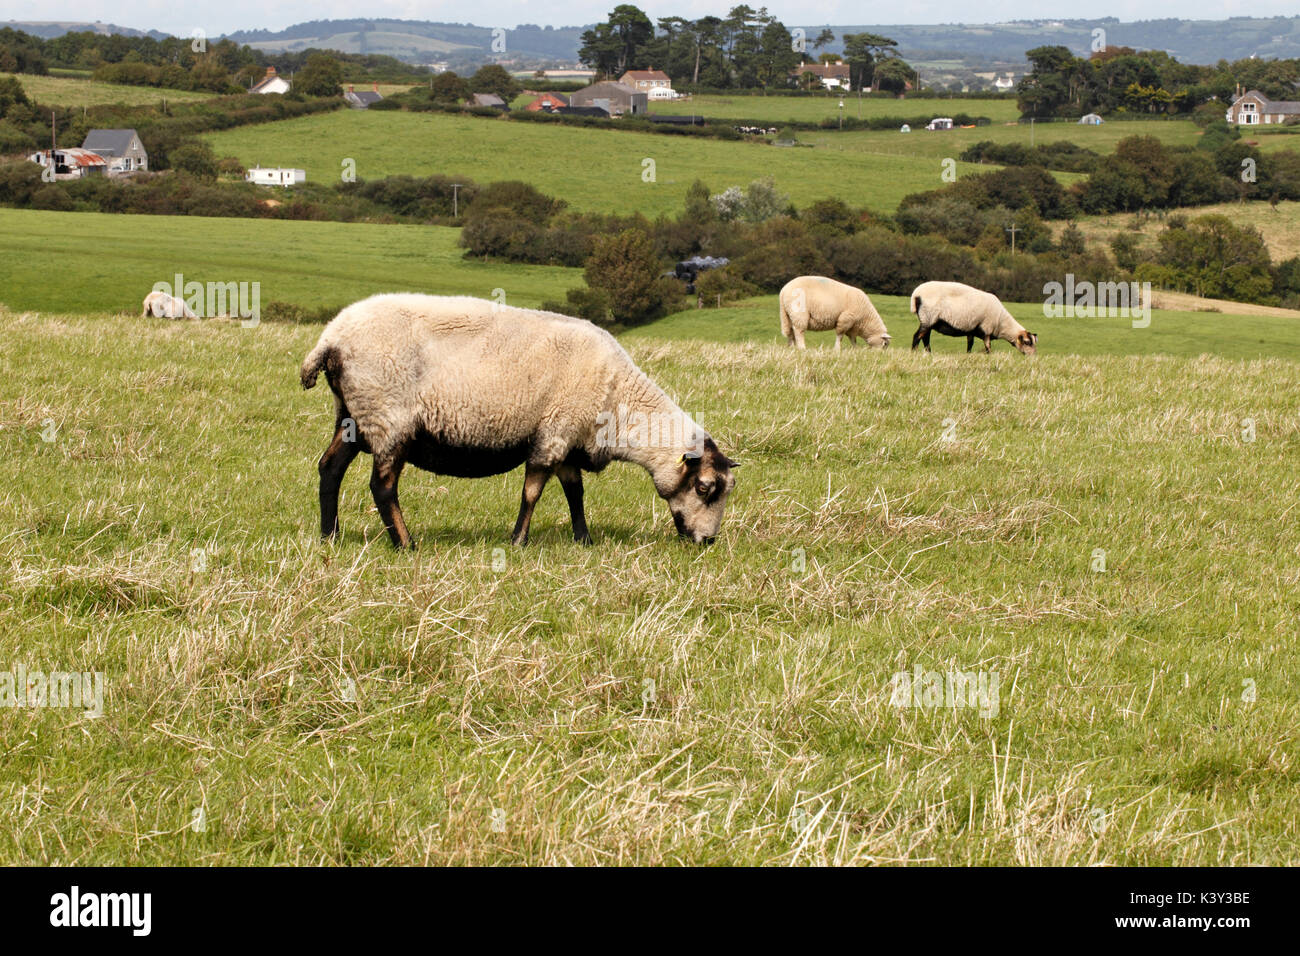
column 988, row 343
column 916, row 338
column 970, row 342
column 926, row 339
column 571, row 480
column 332, row 466
column 535, row 479
column 383, row 485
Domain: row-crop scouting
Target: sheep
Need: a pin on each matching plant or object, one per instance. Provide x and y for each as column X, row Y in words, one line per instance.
column 162, row 305
column 470, row 388
column 952, row 308
column 815, row 303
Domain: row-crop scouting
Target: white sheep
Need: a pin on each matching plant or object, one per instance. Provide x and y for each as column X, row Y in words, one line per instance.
column 816, row 304
column 470, row 388
column 165, row 306
column 952, row 308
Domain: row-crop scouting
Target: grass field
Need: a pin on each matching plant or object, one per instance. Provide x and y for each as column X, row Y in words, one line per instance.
column 778, row 109
column 70, row 91
column 305, row 263
column 1280, row 227
column 643, row 701
column 1187, row 334
column 594, row 169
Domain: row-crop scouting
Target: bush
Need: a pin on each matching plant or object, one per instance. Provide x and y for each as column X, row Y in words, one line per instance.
column 625, row 268
column 52, row 197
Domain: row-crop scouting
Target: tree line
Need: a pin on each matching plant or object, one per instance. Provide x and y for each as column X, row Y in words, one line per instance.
column 746, row 49
column 1121, row 79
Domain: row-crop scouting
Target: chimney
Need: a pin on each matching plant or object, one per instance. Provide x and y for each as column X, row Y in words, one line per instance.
column 351, row 88
column 376, row 86
column 270, row 71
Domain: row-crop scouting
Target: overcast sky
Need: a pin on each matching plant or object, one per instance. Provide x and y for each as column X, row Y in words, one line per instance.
column 230, row 15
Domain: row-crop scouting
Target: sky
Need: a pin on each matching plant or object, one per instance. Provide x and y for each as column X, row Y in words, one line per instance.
column 229, row 15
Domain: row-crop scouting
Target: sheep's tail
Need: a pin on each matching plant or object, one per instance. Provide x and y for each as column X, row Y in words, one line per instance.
column 315, row 361
column 916, row 305
column 785, row 320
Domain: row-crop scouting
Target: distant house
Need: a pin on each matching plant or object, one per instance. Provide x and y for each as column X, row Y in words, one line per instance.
column 489, row 100
column 271, row 83
column 276, row 176
column 364, row 99
column 1254, row 108
column 71, row 162
column 121, row 147
column 1004, row 82
column 648, row 82
column 617, row 99
column 548, row 102
column 1092, row 119
column 833, row 76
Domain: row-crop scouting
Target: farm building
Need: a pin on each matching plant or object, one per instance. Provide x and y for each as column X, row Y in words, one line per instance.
column 1091, row 119
column 595, row 111
column 1254, row 108
column 121, row 147
column 275, row 176
column 71, row 162
column 649, row 82
column 488, row 99
column 271, row 83
column 617, row 99
column 833, row 76
column 364, row 99
column 548, row 102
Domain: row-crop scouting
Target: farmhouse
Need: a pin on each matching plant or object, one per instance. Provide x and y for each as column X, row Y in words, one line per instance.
column 1254, row 108
column 364, row 99
column 71, row 162
column 547, row 102
column 654, row 83
column 121, row 147
column 833, row 76
column 616, row 99
column 275, row 176
column 271, row 83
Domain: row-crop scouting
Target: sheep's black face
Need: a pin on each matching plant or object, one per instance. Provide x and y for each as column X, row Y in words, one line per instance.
column 700, row 496
column 1027, row 342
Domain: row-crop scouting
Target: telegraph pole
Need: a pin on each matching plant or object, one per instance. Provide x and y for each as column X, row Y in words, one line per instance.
column 1013, row 229
column 455, row 197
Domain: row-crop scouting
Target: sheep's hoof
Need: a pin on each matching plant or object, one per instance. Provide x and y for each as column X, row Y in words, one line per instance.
column 582, row 539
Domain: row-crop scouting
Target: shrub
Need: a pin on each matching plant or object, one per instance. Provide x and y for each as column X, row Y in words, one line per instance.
column 625, row 268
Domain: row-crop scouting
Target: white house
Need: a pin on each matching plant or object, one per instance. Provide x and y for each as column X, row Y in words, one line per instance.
column 276, row 176
column 650, row 82
column 271, row 83
column 1254, row 108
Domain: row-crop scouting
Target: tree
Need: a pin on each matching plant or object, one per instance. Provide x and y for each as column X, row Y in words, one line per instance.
column 618, row 44
column 624, row 271
column 447, row 87
column 776, row 56
column 493, row 78
column 322, row 76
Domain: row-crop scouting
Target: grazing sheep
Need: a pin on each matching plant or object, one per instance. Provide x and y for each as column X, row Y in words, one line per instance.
column 816, row 304
column 470, row 388
column 952, row 308
column 164, row 306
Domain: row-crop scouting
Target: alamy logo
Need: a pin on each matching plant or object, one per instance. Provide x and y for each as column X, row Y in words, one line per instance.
column 241, row 300
column 629, row 429
column 933, row 689
column 74, row 908
column 22, row 688
column 1090, row 300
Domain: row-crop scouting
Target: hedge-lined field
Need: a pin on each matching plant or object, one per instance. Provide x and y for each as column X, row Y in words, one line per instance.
column 72, row 92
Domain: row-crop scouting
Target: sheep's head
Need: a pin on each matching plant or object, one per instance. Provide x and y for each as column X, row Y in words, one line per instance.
column 699, row 495
column 1026, row 342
